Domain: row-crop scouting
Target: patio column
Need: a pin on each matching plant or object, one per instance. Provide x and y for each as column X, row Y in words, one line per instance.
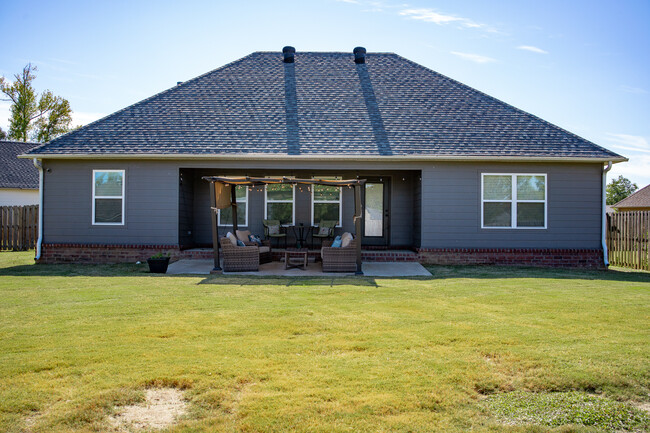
column 357, row 225
column 215, row 231
column 233, row 201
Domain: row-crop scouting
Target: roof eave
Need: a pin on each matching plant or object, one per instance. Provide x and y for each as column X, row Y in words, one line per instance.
column 325, row 157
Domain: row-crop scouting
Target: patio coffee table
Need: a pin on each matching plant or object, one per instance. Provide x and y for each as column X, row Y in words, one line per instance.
column 295, row 259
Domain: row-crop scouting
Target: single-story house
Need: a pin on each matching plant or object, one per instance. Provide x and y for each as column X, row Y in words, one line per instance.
column 18, row 177
column 639, row 200
column 452, row 174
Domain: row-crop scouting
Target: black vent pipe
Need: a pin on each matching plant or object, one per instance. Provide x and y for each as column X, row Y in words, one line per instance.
column 359, row 55
column 289, row 53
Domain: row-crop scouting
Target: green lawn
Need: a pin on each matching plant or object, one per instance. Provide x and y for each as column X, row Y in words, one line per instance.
column 318, row 355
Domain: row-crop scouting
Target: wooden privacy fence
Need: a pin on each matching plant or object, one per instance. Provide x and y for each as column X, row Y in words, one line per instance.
column 627, row 239
column 18, row 227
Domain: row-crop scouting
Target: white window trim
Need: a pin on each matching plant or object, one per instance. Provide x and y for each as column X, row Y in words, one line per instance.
column 238, row 202
column 292, row 201
column 339, row 201
column 513, row 201
column 122, row 197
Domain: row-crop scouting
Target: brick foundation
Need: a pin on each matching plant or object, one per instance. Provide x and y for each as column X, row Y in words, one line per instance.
column 97, row 253
column 551, row 258
column 559, row 258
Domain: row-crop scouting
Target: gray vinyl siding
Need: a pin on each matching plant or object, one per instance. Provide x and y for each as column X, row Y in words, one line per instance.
column 151, row 208
column 451, row 207
column 440, row 211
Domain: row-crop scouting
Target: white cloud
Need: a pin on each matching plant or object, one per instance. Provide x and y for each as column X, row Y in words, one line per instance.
column 634, row 143
column 634, row 90
column 636, row 169
column 532, row 49
column 476, row 58
column 432, row 16
column 429, row 15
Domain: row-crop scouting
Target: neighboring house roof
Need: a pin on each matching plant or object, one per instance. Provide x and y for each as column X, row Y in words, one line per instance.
column 324, row 104
column 14, row 172
column 641, row 198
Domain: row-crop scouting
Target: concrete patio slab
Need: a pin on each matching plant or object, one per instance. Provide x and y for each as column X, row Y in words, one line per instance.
column 370, row 269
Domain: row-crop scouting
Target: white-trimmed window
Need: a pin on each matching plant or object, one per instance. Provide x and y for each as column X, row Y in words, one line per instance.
column 279, row 202
column 326, row 203
column 108, row 197
column 513, row 201
column 225, row 215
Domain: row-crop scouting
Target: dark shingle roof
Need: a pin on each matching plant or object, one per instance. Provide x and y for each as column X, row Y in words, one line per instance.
column 324, row 104
column 641, row 198
column 14, row 172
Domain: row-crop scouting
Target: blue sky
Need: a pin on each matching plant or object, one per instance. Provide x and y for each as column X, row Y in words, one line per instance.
column 582, row 65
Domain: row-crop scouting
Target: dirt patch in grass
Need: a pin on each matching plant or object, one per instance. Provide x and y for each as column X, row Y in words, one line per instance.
column 558, row 409
column 162, row 407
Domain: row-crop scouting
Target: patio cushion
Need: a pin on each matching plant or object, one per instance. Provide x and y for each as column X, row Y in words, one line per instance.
column 243, row 235
column 256, row 239
column 323, row 231
column 264, row 249
column 274, row 230
column 232, row 238
column 346, row 239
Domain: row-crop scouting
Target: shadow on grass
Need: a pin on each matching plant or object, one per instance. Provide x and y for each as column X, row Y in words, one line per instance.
column 438, row 273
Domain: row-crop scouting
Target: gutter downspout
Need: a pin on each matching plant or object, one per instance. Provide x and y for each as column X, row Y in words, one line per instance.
column 604, row 223
column 39, row 165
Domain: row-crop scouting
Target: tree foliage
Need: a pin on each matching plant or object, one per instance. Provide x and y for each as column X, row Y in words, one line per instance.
column 618, row 189
column 40, row 119
column 3, row 135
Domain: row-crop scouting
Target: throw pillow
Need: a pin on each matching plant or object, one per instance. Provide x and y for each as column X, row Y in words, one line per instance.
column 324, row 231
column 346, row 239
column 240, row 243
column 256, row 239
column 337, row 242
column 274, row 230
column 243, row 235
column 233, row 239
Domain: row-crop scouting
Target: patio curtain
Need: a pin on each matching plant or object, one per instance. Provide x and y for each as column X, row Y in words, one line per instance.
column 222, row 195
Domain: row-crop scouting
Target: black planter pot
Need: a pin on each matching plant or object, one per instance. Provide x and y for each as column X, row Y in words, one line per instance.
column 158, row 266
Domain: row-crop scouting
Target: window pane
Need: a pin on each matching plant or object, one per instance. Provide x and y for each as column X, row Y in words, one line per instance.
column 280, row 211
column 530, row 214
column 108, row 184
column 325, row 192
column 241, row 193
column 279, row 192
column 326, row 212
column 226, row 215
column 108, row 210
column 497, row 215
column 530, row 187
column 374, row 210
column 497, row 187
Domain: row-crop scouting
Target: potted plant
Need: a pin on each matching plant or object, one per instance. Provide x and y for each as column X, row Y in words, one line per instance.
column 158, row 263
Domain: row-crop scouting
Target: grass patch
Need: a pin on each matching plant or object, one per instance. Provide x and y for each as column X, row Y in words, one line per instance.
column 317, row 354
column 566, row 408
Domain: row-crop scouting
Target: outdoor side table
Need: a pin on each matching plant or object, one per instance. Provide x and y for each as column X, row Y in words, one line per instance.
column 296, row 259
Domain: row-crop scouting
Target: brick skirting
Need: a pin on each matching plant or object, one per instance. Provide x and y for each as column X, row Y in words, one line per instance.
column 98, row 253
column 552, row 258
column 563, row 258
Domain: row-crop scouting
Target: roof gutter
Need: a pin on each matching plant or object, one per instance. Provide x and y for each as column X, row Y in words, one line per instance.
column 321, row 157
column 39, row 242
column 604, row 222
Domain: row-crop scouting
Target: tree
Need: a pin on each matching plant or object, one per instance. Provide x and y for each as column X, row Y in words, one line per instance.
column 3, row 135
column 40, row 121
column 618, row 189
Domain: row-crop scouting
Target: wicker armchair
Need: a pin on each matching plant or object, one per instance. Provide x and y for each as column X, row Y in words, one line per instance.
column 339, row 259
column 238, row 259
column 264, row 249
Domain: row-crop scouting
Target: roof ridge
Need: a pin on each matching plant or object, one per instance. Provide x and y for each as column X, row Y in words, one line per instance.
column 631, row 195
column 519, row 110
column 150, row 98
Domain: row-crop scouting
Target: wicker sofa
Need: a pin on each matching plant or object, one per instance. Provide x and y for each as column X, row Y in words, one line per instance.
column 339, row 259
column 239, row 259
